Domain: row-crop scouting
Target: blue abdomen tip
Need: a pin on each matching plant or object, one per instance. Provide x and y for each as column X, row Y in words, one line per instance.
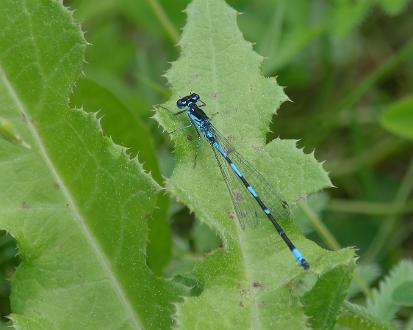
column 297, row 254
column 300, row 259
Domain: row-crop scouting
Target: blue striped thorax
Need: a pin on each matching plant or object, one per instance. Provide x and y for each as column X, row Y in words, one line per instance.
column 198, row 116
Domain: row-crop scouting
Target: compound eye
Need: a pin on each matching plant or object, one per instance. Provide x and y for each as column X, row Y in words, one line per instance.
column 195, row 97
column 180, row 103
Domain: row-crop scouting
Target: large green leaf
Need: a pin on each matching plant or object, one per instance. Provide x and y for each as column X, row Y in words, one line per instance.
column 252, row 281
column 128, row 130
column 76, row 203
column 324, row 300
column 382, row 304
column 357, row 317
column 403, row 294
column 125, row 128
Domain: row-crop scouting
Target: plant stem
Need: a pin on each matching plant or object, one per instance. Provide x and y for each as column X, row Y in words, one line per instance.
column 319, row 226
column 370, row 208
column 389, row 224
column 164, row 20
column 331, row 242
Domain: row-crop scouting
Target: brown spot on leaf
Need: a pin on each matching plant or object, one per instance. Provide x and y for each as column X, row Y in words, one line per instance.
column 257, row 285
column 238, row 196
column 189, row 137
column 25, row 205
column 255, row 147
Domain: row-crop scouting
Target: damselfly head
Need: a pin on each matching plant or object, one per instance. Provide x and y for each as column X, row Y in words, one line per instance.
column 187, row 100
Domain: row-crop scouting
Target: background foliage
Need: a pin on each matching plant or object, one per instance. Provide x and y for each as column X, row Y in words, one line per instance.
column 347, row 67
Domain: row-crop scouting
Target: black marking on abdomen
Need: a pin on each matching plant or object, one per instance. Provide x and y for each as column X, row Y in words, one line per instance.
column 264, row 208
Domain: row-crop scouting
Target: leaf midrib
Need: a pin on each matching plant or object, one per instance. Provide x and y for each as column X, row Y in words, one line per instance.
column 78, row 218
column 255, row 321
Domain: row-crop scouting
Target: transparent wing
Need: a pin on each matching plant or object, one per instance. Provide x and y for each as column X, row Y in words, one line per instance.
column 268, row 194
column 247, row 210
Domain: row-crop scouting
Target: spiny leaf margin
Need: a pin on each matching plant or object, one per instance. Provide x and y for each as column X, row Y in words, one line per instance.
column 357, row 317
column 381, row 304
column 243, row 284
column 77, row 204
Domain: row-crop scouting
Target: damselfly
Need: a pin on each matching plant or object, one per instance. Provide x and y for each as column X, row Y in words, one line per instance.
column 236, row 171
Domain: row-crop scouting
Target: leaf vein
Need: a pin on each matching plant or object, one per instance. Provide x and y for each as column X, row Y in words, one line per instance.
column 104, row 262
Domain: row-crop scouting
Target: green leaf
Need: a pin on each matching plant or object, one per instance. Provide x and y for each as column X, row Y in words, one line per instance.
column 324, row 300
column 382, row 305
column 393, row 7
column 356, row 317
column 398, row 118
column 403, row 294
column 117, row 121
column 204, row 238
column 127, row 129
column 252, row 280
column 75, row 202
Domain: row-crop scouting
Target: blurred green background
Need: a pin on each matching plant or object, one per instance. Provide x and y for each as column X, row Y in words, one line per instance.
column 348, row 68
